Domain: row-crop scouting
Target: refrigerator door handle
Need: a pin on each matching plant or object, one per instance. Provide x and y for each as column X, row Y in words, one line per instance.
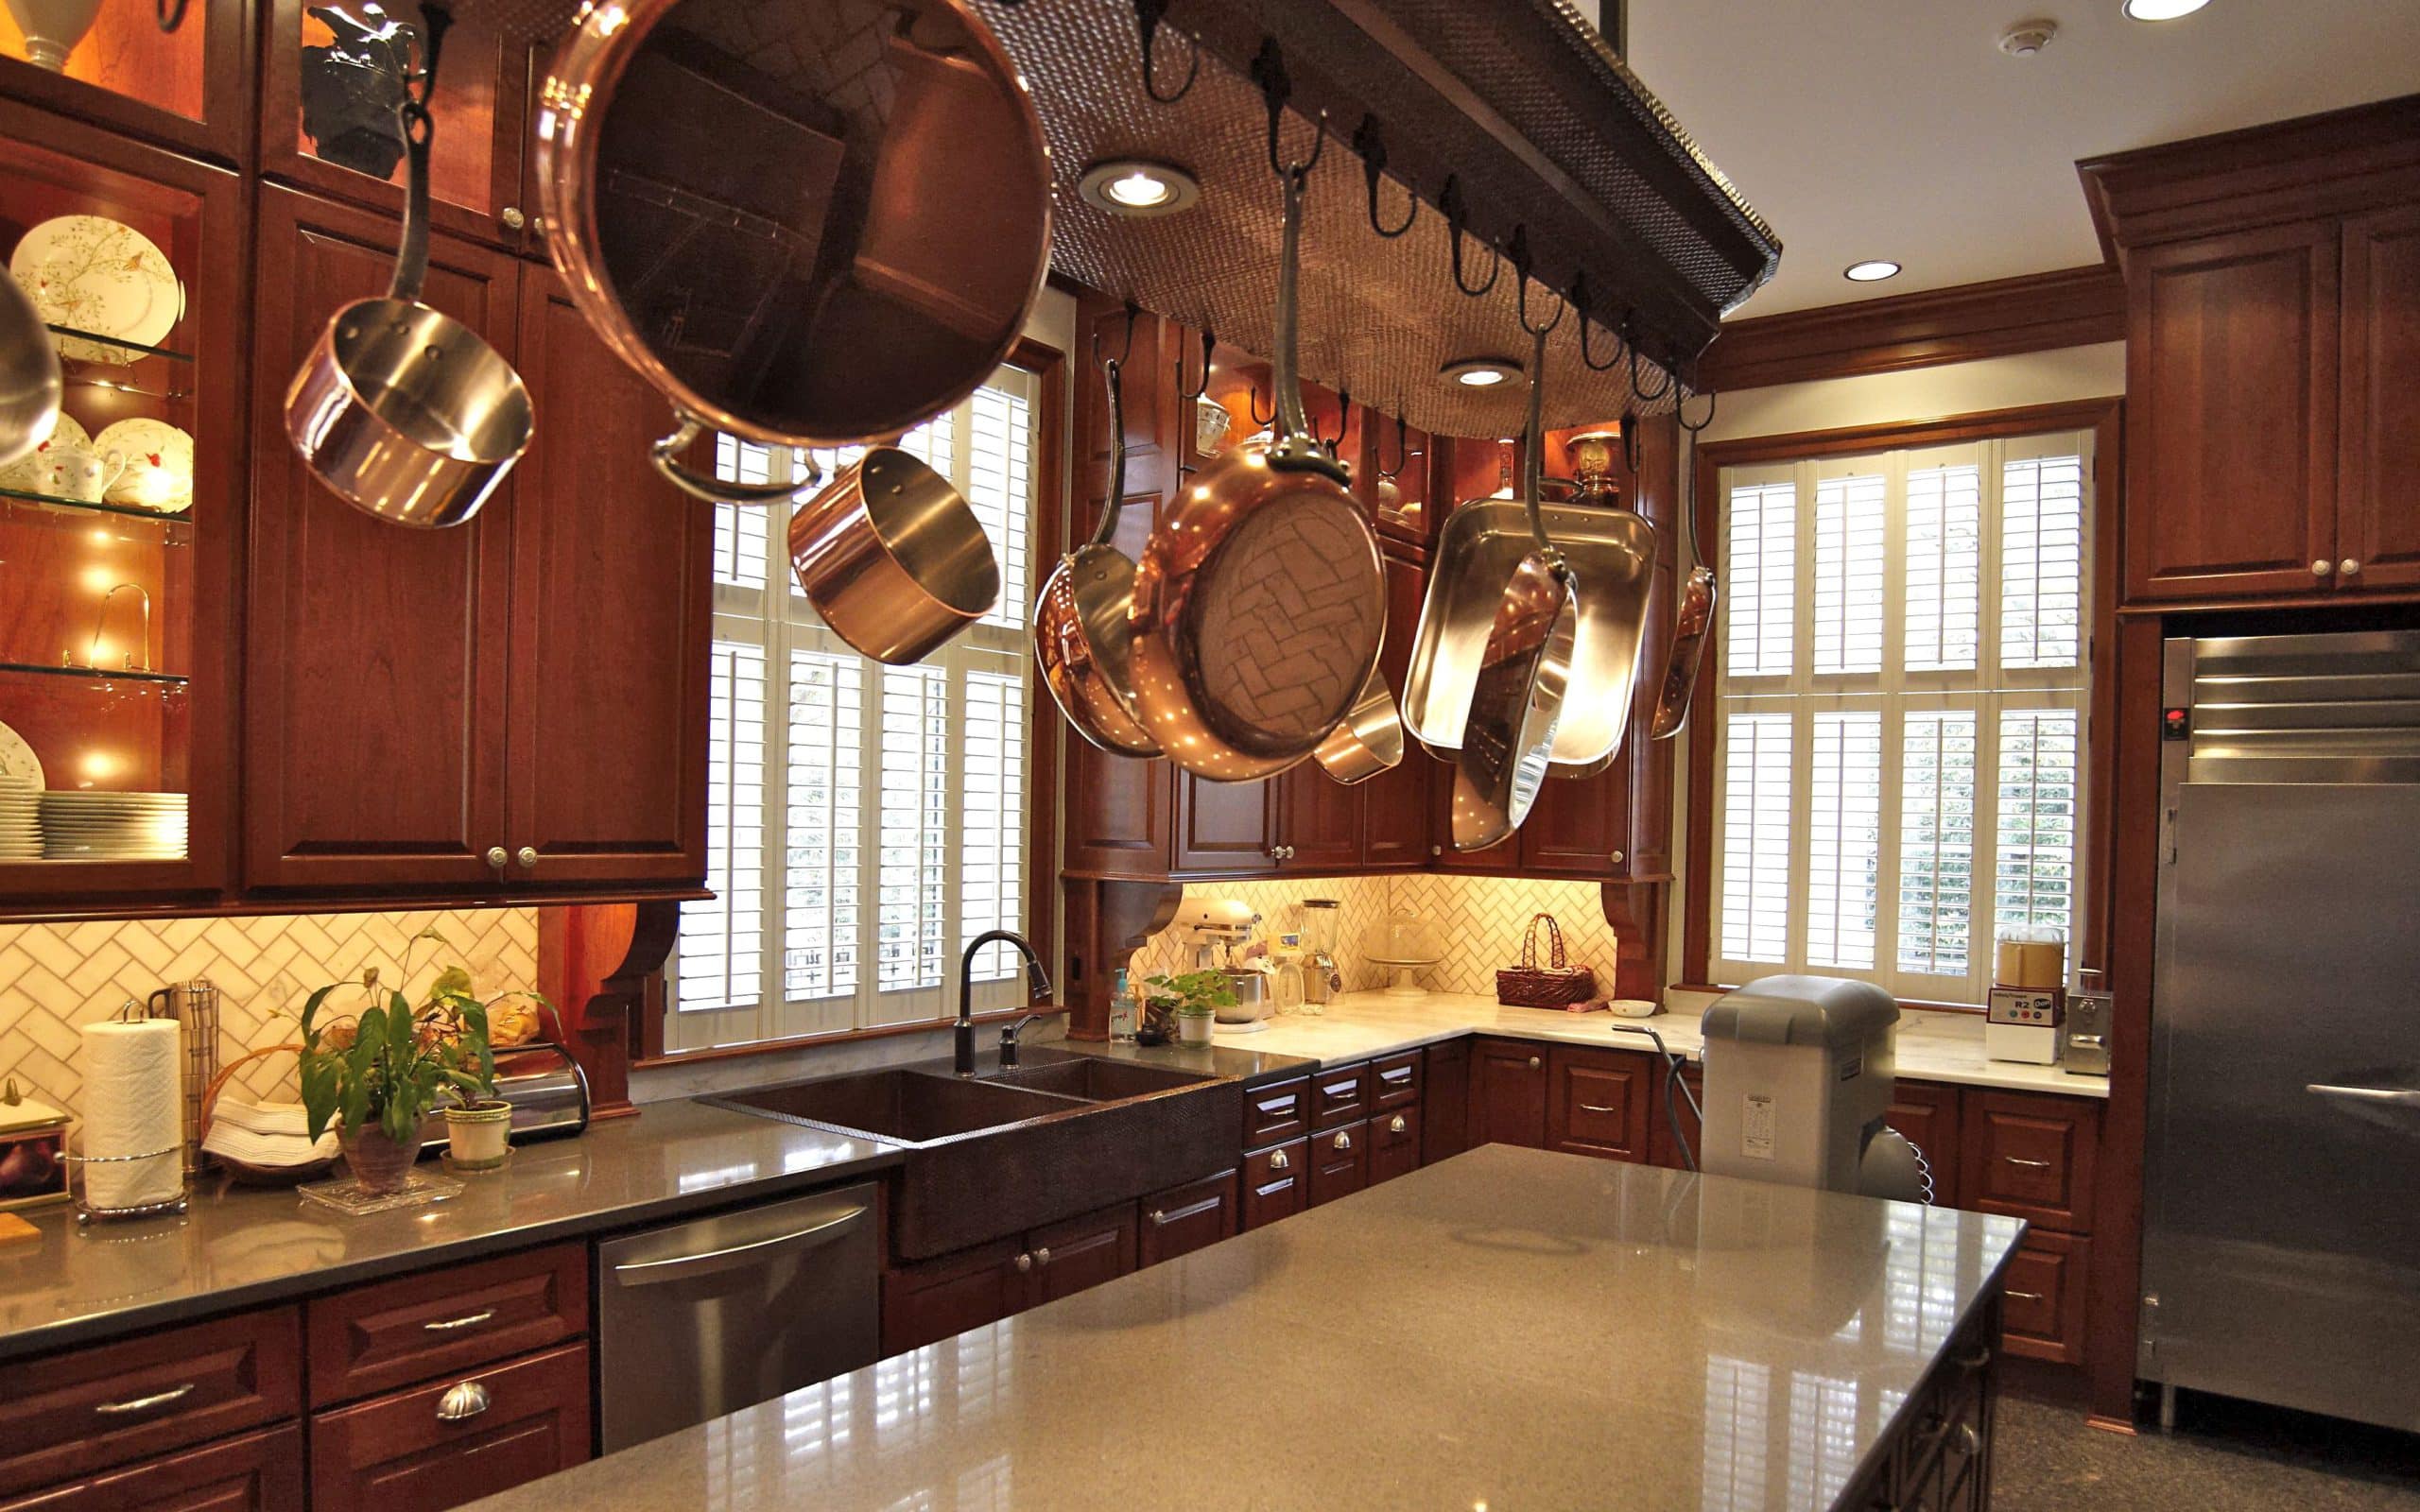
column 2390, row 1096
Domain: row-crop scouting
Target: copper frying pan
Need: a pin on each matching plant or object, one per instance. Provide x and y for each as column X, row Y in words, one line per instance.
column 1082, row 631
column 1260, row 602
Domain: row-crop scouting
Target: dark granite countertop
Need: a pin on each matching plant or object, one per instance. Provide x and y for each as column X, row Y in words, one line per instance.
column 1509, row 1328
column 1253, row 1068
column 243, row 1247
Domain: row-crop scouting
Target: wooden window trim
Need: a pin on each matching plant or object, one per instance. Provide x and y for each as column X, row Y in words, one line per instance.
column 2099, row 416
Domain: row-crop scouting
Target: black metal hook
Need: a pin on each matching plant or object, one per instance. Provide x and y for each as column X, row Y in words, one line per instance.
column 1252, row 402
column 1521, row 290
column 1688, row 394
column 1638, row 393
column 1373, row 149
column 1186, row 392
column 1457, row 214
column 1269, row 72
column 1580, row 301
column 1403, row 452
column 1148, row 16
column 171, row 14
column 1343, row 423
column 1133, row 312
column 1629, row 440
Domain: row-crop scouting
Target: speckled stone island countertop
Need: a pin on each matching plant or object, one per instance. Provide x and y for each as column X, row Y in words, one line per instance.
column 1510, row 1328
column 1935, row 1046
column 246, row 1246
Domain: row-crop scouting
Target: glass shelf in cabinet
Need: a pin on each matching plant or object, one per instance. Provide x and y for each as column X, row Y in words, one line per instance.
column 19, row 498
column 135, row 349
column 160, row 680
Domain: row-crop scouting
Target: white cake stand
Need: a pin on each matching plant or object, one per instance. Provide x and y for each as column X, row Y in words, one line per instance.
column 1404, row 985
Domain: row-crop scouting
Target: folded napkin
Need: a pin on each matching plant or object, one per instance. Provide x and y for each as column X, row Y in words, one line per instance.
column 272, row 1134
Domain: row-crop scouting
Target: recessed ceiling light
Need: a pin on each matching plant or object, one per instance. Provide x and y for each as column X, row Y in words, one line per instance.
column 2161, row 9
column 1482, row 373
column 1130, row 187
column 1873, row 270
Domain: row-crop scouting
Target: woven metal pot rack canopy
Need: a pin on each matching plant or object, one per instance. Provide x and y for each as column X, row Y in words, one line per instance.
column 1477, row 167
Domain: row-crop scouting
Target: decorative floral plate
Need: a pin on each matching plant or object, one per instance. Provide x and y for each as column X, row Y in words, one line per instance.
column 20, row 769
column 103, row 276
column 158, row 465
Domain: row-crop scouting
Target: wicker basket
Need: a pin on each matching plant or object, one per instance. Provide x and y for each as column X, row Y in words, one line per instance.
column 1557, row 984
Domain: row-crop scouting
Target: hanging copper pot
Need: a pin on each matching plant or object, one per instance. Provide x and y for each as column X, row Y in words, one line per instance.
column 1083, row 621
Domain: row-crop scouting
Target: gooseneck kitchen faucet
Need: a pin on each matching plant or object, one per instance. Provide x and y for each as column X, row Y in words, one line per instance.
column 1037, row 979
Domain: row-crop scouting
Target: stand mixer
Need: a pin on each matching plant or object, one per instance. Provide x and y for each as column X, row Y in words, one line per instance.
column 1218, row 925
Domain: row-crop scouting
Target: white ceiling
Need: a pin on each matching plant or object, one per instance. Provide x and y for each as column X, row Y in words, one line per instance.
column 1897, row 128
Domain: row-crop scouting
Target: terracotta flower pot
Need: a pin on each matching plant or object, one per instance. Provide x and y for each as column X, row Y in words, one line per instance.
column 379, row 1163
column 478, row 1138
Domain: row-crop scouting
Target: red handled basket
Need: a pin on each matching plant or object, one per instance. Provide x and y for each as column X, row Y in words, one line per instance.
column 1558, row 983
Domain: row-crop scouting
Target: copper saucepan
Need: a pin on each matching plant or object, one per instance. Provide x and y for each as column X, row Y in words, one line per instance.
column 1260, row 602
column 1517, row 699
column 1371, row 739
column 892, row 558
column 1083, row 627
column 406, row 413
column 819, row 243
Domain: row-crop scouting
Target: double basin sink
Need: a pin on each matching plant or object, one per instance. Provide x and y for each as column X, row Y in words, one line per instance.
column 1016, row 1148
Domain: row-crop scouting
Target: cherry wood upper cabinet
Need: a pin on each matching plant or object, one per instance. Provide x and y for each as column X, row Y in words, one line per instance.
column 612, row 624
column 374, row 689
column 1224, row 827
column 2378, row 521
column 1395, row 818
column 190, row 89
column 1318, row 820
column 2231, row 383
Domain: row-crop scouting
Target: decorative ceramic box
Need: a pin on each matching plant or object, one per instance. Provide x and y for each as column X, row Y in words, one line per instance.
column 33, row 1139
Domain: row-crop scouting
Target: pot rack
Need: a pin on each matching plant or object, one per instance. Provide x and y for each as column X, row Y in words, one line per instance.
column 1480, row 167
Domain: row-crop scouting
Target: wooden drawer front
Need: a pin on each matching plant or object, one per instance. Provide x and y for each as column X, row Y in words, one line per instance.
column 2044, row 1315
column 71, row 1414
column 1278, row 1113
column 1394, row 1082
column 2032, row 1157
column 1183, row 1219
column 1339, row 1097
column 1395, row 1143
column 1340, row 1162
column 1276, row 1183
column 395, row 1453
column 1596, row 1103
column 1926, row 1114
column 258, row 1473
column 406, row 1331
column 943, row 1297
column 1082, row 1252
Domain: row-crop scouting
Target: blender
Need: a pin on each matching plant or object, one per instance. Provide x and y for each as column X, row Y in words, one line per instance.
column 1321, row 924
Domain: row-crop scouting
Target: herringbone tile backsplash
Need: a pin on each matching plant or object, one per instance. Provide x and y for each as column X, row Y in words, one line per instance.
column 1478, row 920
column 55, row 978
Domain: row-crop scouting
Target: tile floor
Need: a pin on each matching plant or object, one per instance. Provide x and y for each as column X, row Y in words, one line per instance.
column 2224, row 1456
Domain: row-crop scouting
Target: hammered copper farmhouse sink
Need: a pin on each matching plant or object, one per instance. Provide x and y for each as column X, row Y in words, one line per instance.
column 1016, row 1148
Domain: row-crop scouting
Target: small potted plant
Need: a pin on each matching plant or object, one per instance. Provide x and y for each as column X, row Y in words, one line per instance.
column 1193, row 1000
column 478, row 1123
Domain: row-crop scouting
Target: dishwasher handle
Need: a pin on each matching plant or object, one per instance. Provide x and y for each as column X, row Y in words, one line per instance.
column 681, row 1267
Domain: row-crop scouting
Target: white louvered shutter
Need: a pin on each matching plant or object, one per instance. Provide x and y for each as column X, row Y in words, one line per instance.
column 1936, row 842
column 1944, row 568
column 1846, row 635
column 1756, row 837
column 1843, row 838
column 1760, row 579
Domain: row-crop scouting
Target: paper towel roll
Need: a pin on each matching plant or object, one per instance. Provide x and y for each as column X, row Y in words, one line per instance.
column 133, row 1103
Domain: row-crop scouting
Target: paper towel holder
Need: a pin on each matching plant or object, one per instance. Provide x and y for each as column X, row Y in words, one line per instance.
column 79, row 1183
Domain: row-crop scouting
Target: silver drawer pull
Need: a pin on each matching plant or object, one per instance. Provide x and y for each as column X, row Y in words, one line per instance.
column 681, row 1267
column 2030, row 1165
column 2025, row 1297
column 462, row 1402
column 2363, row 1095
column 449, row 1325
column 1593, row 1107
column 157, row 1399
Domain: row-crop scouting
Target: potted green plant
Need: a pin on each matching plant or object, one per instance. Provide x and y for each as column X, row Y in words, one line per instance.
column 379, row 1072
column 1193, row 999
column 478, row 1128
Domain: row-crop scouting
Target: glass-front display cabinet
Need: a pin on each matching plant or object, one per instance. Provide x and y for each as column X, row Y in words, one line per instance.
column 117, row 532
column 111, row 62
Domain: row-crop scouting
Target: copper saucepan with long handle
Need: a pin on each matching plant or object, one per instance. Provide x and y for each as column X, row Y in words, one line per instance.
column 1260, row 602
column 1695, row 620
column 1083, row 620
column 406, row 413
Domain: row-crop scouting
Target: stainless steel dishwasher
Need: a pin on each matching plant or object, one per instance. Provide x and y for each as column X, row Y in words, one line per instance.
column 699, row 1320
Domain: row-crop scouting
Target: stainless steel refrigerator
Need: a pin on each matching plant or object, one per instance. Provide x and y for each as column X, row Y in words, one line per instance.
column 2281, row 1244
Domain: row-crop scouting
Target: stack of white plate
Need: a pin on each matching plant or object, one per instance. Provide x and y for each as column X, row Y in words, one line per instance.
column 78, row 826
column 20, row 821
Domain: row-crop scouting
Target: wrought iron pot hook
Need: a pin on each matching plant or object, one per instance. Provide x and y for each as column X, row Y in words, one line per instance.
column 1580, row 302
column 1343, row 423
column 1679, row 404
column 1269, row 72
column 171, row 14
column 1252, row 402
column 1636, row 392
column 1148, row 16
column 1521, row 290
column 1190, row 392
column 1457, row 214
column 1403, row 452
column 1133, row 311
column 1372, row 150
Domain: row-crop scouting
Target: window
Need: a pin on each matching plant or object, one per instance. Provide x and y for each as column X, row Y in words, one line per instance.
column 863, row 821
column 1899, row 710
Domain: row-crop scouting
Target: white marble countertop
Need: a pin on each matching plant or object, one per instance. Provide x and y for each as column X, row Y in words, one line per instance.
column 1507, row 1329
column 1944, row 1047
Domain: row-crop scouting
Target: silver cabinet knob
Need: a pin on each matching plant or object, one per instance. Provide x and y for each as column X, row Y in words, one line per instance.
column 512, row 218
column 1159, row 1217
column 1617, row 857
column 1343, row 1140
column 1277, row 1160
column 496, row 857
column 1436, row 849
column 1397, row 1125
column 1025, row 1262
column 1042, row 1254
column 527, row 855
column 2349, row 567
column 1535, row 1062
column 2320, row 568
column 462, row 1402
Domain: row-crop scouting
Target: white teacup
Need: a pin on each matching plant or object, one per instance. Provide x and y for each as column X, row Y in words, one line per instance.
column 80, row 473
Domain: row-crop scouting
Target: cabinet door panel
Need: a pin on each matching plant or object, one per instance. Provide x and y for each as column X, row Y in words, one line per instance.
column 1446, row 1102
column 2043, row 1318
column 1394, row 806
column 2378, row 522
column 1597, row 1102
column 611, row 623
column 374, row 696
column 258, row 1473
column 1082, row 1252
column 1579, row 824
column 394, row 1453
column 1318, row 820
column 2032, row 1157
column 1222, row 827
column 1926, row 1115
column 943, row 1297
column 1664, row 1147
column 2230, row 392
column 1186, row 1218
column 1508, row 1094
